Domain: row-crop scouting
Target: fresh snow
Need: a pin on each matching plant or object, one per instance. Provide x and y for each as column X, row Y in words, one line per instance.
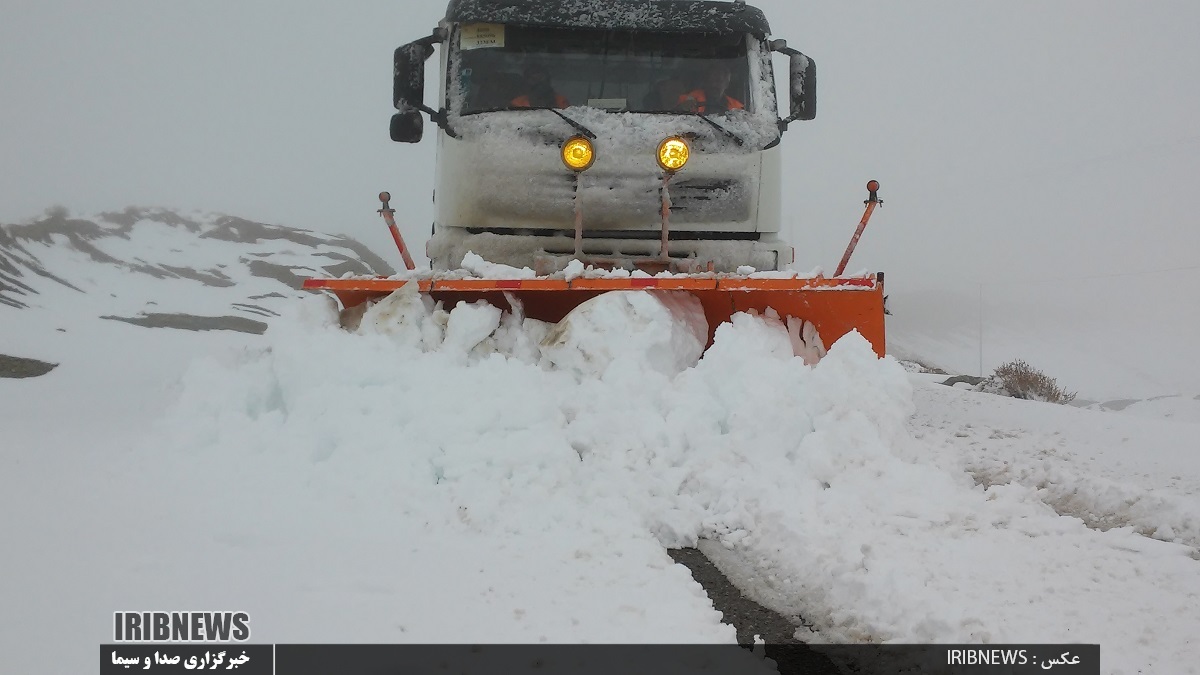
column 445, row 474
column 483, row 269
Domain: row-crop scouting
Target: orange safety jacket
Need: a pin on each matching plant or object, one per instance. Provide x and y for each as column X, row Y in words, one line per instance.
column 522, row 101
column 698, row 97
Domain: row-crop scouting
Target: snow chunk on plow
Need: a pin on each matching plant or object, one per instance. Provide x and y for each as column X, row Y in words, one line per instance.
column 664, row 331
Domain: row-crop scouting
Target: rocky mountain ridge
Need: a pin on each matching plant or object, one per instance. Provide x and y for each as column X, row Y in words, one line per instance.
column 120, row 256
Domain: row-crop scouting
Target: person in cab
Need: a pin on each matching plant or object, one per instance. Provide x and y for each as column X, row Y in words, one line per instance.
column 712, row 96
column 539, row 92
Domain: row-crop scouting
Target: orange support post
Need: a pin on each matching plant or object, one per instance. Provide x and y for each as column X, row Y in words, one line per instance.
column 872, row 201
column 388, row 214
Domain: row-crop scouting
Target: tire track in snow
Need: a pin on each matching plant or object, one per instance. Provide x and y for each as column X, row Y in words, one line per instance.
column 1061, row 472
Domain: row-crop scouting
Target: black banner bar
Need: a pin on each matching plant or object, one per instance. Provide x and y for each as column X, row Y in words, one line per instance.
column 686, row 659
column 311, row 659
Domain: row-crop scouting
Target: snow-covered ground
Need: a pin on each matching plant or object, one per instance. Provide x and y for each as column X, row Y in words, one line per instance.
column 441, row 476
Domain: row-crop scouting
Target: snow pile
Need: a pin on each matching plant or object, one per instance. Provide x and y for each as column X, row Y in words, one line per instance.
column 436, row 474
column 574, row 454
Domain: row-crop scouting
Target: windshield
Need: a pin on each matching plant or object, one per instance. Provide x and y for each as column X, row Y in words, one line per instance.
column 501, row 67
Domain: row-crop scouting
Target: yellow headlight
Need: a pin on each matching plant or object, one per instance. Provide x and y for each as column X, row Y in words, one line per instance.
column 578, row 153
column 673, row 153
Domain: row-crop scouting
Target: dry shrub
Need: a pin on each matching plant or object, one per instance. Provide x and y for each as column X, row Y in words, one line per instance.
column 1021, row 380
column 57, row 212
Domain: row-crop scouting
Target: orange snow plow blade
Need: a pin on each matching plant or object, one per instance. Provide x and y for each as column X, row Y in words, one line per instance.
column 834, row 306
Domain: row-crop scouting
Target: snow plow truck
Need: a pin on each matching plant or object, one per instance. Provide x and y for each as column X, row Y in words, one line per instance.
column 598, row 146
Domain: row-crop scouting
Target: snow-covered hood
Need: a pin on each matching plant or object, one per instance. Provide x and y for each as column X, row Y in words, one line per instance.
column 504, row 171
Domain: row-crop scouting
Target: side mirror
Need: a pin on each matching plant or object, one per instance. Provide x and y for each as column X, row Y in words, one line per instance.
column 802, row 84
column 407, row 127
column 803, row 87
column 408, row 75
column 408, row 88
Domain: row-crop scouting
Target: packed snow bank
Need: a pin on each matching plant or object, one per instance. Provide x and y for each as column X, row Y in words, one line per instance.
column 1181, row 408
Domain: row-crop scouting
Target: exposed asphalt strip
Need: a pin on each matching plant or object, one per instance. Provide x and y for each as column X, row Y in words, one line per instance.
column 750, row 619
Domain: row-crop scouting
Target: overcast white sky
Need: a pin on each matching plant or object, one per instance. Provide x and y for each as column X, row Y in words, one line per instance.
column 1041, row 139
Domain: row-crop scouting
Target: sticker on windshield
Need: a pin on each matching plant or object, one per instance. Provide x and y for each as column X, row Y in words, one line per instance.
column 481, row 36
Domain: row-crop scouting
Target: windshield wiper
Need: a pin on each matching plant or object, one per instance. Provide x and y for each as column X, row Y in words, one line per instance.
column 579, row 127
column 737, row 139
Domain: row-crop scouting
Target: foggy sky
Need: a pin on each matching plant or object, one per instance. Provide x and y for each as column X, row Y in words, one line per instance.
column 1014, row 140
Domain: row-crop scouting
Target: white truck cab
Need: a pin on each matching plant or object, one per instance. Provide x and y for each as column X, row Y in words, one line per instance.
column 553, row 119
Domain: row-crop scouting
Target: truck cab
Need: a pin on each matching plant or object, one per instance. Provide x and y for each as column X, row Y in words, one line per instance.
column 621, row 132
